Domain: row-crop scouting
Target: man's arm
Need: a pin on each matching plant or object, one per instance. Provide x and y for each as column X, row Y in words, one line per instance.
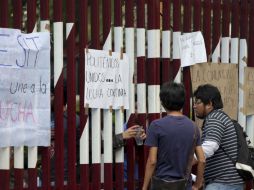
column 200, row 168
column 150, row 166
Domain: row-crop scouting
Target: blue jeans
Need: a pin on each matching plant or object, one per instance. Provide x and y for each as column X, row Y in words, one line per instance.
column 222, row 186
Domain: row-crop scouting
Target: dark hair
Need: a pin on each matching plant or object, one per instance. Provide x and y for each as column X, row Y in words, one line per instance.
column 209, row 93
column 172, row 96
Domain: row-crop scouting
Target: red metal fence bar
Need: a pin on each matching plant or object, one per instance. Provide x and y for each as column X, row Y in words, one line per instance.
column 118, row 44
column 141, row 83
column 207, row 27
column 4, row 13
column 225, row 32
column 166, row 71
column 186, row 70
column 96, row 119
column 32, row 151
column 71, row 93
column 45, row 151
column 216, row 31
column 17, row 14
column 129, row 47
column 58, row 92
column 153, row 61
column 197, row 15
column 107, row 113
column 176, row 34
column 83, row 35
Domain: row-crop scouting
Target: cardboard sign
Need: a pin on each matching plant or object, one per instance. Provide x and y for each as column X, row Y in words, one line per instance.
column 25, row 88
column 106, row 80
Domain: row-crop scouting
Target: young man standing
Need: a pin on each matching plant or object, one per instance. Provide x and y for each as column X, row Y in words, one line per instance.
column 218, row 134
column 172, row 141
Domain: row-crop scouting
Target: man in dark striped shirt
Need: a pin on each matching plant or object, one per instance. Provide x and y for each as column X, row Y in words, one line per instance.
column 218, row 133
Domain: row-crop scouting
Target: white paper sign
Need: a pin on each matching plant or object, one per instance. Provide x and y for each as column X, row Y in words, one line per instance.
column 24, row 88
column 192, row 49
column 106, row 80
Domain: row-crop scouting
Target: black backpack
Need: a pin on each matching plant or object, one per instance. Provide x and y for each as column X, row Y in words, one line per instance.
column 245, row 154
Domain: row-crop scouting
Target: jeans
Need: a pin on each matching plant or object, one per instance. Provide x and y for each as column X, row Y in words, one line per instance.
column 222, row 186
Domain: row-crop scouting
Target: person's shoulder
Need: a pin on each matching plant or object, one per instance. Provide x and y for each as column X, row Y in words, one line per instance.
column 218, row 115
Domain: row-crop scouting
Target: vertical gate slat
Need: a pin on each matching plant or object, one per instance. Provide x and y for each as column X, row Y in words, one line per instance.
column 235, row 32
column 186, row 70
column 4, row 152
column 17, row 14
column 4, row 14
column 196, row 27
column 153, row 59
column 176, row 34
column 166, row 40
column 71, row 93
column 107, row 113
column 58, row 89
column 197, row 15
column 225, row 32
column 141, row 84
column 44, row 151
column 216, row 34
column 32, row 151
column 84, row 130
column 207, row 27
column 119, row 120
column 96, row 113
column 129, row 44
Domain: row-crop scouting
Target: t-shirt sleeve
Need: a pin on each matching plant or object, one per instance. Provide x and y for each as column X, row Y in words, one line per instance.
column 152, row 135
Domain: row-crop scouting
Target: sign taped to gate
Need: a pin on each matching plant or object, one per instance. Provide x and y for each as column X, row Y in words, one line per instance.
column 106, row 80
column 225, row 77
column 25, row 88
column 192, row 49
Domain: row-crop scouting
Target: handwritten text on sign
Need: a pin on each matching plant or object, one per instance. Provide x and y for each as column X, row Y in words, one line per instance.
column 106, row 80
column 224, row 77
column 192, row 49
column 24, row 84
column 249, row 90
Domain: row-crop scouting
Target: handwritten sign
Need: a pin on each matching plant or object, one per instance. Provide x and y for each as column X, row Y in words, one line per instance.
column 249, row 90
column 224, row 77
column 24, row 84
column 106, row 80
column 192, row 49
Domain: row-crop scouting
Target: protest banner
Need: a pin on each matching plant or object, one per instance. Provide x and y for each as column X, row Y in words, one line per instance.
column 25, row 88
column 248, row 90
column 224, row 77
column 106, row 80
column 192, row 49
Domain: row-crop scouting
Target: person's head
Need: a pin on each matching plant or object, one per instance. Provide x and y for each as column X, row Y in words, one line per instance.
column 172, row 96
column 206, row 98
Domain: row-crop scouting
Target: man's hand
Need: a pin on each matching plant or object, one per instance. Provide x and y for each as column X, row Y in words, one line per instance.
column 132, row 132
